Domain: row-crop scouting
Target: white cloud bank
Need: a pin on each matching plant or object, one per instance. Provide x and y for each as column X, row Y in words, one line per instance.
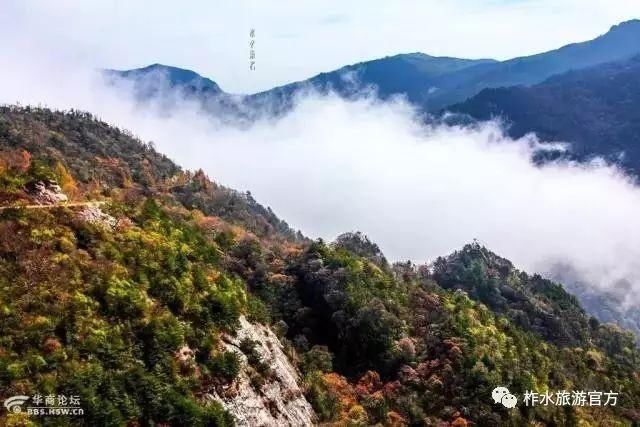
column 332, row 165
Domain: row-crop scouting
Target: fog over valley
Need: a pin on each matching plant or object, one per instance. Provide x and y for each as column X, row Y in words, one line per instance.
column 333, row 165
column 418, row 213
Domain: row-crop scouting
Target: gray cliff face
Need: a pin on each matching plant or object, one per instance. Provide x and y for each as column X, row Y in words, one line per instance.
column 279, row 401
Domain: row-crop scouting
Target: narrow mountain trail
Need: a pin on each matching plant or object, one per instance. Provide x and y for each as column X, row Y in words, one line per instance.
column 59, row 205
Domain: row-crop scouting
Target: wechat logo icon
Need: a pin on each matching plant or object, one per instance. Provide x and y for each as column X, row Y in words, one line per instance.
column 502, row 395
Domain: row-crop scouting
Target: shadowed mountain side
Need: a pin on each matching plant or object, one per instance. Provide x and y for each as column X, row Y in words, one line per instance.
column 596, row 109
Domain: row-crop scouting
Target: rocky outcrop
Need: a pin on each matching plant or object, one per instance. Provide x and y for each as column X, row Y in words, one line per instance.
column 45, row 192
column 279, row 400
column 95, row 215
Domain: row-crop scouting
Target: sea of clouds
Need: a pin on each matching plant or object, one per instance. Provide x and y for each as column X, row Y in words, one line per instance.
column 332, row 165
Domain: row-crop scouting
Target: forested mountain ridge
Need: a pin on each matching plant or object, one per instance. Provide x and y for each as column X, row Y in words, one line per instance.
column 132, row 307
column 621, row 42
column 596, row 110
column 103, row 158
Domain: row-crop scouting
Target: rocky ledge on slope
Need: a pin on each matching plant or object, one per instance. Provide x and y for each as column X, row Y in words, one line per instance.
column 278, row 399
column 45, row 192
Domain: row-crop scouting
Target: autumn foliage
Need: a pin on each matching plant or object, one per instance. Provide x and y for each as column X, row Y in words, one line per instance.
column 105, row 311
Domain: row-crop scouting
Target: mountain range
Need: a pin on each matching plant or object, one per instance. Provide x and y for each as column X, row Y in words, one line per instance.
column 596, row 110
column 585, row 93
column 160, row 297
column 430, row 82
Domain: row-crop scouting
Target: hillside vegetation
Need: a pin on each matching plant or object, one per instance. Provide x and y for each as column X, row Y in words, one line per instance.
column 597, row 110
column 101, row 308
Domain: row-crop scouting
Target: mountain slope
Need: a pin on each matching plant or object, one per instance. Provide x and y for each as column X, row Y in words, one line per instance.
column 412, row 75
column 168, row 89
column 429, row 82
column 151, row 80
column 596, row 109
column 104, row 157
column 621, row 42
column 140, row 305
column 433, row 83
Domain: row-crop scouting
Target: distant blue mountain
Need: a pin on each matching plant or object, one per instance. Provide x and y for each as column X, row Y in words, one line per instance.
column 155, row 79
column 597, row 109
column 167, row 87
column 412, row 75
column 435, row 82
column 621, row 42
column 176, row 76
column 427, row 81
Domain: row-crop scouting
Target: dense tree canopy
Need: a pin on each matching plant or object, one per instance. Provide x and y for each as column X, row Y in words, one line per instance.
column 104, row 310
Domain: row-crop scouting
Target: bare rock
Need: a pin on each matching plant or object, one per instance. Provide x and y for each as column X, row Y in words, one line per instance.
column 95, row 215
column 45, row 192
column 279, row 401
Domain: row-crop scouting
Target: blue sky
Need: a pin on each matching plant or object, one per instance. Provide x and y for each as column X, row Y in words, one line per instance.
column 294, row 40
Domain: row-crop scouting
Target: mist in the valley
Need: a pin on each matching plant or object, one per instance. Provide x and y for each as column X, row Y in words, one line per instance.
column 332, row 165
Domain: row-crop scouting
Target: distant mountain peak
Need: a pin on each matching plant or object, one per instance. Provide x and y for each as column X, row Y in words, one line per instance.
column 626, row 29
column 423, row 55
column 635, row 23
column 175, row 76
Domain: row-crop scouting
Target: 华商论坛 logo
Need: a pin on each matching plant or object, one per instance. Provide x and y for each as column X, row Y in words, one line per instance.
column 14, row 403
